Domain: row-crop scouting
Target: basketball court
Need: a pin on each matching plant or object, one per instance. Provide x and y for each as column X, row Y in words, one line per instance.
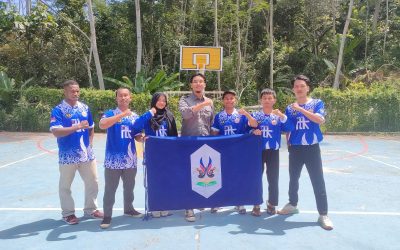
column 362, row 175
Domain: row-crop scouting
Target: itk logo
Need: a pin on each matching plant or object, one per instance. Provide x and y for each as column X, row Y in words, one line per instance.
column 266, row 132
column 125, row 132
column 162, row 131
column 206, row 171
column 229, row 130
column 302, row 123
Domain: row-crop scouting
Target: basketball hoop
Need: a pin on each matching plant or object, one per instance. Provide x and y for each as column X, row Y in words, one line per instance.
column 201, row 58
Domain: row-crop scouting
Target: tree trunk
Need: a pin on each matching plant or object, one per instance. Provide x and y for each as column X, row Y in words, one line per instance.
column 28, row 7
column 366, row 38
column 247, row 30
column 216, row 39
column 239, row 52
column 94, row 45
column 160, row 46
column 336, row 83
column 271, row 44
column 376, row 14
column 138, row 37
column 386, row 26
column 87, row 63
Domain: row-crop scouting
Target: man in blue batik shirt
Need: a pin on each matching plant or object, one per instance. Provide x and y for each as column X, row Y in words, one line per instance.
column 232, row 122
column 72, row 123
column 271, row 122
column 307, row 114
column 120, row 160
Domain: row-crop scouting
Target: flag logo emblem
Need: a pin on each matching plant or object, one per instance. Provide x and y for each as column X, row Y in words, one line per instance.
column 206, row 171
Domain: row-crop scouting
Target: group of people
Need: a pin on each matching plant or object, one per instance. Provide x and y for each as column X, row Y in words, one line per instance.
column 71, row 122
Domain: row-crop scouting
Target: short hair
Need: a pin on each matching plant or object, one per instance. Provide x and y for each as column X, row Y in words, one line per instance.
column 228, row 92
column 198, row 74
column 303, row 78
column 69, row 83
column 267, row 91
column 116, row 92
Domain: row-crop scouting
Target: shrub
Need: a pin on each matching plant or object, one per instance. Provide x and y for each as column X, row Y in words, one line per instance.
column 357, row 109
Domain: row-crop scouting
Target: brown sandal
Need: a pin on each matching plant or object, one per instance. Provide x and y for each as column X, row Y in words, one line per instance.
column 256, row 211
column 271, row 209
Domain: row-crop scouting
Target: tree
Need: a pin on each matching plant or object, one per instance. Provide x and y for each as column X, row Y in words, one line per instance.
column 138, row 37
column 271, row 43
column 336, row 82
column 93, row 44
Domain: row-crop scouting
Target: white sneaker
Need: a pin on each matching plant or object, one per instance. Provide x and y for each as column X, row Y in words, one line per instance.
column 189, row 215
column 156, row 214
column 105, row 223
column 325, row 222
column 288, row 209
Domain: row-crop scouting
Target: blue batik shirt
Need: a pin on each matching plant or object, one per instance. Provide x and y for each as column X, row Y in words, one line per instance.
column 271, row 127
column 73, row 148
column 306, row 132
column 120, row 147
column 230, row 124
column 144, row 124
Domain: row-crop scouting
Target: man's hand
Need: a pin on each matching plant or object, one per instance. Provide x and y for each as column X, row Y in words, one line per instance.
column 278, row 113
column 83, row 125
column 127, row 112
column 207, row 101
column 257, row 132
column 296, row 106
column 243, row 112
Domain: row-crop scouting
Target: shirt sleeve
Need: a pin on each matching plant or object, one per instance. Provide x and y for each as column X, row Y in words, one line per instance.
column 184, row 108
column 56, row 119
column 216, row 125
column 245, row 124
column 140, row 122
column 90, row 119
column 107, row 114
column 320, row 109
column 287, row 126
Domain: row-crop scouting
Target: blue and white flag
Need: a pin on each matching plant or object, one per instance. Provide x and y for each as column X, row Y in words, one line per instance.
column 195, row 172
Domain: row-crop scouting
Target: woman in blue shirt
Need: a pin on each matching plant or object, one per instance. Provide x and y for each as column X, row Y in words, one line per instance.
column 161, row 123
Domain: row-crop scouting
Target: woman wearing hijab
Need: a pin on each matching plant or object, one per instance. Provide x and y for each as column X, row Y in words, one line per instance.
column 162, row 123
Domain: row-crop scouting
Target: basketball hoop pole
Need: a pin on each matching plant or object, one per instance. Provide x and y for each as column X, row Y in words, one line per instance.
column 202, row 70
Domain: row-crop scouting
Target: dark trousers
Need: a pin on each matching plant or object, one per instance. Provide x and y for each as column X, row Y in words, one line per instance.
column 271, row 159
column 111, row 179
column 309, row 155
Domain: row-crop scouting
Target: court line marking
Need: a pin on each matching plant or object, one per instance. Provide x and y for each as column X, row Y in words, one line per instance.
column 373, row 159
column 364, row 156
column 24, row 159
column 23, row 209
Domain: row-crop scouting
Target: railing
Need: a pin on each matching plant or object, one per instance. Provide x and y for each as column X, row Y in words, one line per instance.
column 213, row 94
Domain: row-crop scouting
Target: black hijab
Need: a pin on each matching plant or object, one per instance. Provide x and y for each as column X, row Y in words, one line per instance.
column 162, row 115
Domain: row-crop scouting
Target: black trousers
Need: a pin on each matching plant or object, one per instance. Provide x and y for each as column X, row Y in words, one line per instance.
column 271, row 159
column 309, row 155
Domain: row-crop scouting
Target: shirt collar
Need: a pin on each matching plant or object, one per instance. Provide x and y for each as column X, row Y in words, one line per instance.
column 66, row 103
column 235, row 112
column 193, row 96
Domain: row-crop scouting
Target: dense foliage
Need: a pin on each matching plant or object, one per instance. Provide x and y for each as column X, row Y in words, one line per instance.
column 51, row 43
column 356, row 109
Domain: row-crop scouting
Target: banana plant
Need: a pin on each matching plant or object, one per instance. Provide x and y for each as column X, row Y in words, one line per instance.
column 143, row 84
